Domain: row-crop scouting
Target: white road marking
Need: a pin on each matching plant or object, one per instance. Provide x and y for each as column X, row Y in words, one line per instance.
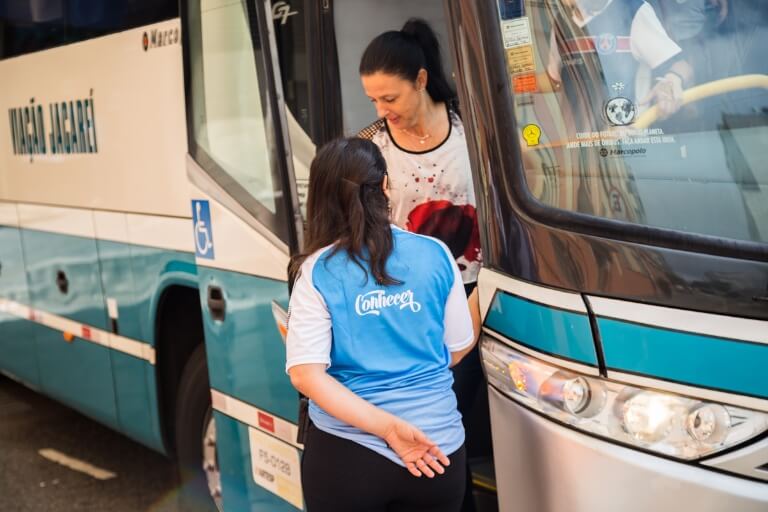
column 76, row 464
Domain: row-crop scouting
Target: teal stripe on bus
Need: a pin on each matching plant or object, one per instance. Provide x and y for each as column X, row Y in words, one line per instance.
column 698, row 360
column 550, row 330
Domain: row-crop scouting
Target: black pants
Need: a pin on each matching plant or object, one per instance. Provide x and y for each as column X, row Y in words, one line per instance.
column 338, row 475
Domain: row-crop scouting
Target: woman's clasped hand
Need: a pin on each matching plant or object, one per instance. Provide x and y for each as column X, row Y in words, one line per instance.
column 420, row 454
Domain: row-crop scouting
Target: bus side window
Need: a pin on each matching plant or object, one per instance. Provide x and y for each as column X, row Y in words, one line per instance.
column 289, row 19
column 293, row 35
column 231, row 132
column 37, row 25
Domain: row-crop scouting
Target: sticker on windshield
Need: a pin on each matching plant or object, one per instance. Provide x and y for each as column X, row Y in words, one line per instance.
column 510, row 9
column 518, row 44
column 620, row 111
column 531, row 134
column 516, row 33
column 524, row 83
column 520, row 59
column 621, row 141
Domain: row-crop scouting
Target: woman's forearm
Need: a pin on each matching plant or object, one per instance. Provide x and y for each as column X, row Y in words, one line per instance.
column 474, row 311
column 338, row 401
column 477, row 324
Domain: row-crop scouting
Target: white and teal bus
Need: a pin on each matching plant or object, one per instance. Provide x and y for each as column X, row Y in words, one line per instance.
column 153, row 161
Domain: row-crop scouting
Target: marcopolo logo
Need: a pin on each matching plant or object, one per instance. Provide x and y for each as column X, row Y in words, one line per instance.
column 372, row 303
column 156, row 38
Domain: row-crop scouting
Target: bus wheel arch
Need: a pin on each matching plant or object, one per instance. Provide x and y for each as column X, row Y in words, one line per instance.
column 178, row 331
column 184, row 396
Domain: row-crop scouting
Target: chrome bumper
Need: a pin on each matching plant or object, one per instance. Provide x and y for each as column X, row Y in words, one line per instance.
column 544, row 467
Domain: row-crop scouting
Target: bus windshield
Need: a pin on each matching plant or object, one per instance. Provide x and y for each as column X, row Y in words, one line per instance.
column 652, row 113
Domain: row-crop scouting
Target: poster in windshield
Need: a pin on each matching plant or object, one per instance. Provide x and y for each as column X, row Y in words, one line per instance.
column 663, row 103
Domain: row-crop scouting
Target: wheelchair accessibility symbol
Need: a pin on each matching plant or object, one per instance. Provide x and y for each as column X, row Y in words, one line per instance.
column 201, row 217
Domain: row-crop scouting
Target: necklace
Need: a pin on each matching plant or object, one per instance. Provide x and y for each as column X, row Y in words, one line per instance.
column 421, row 140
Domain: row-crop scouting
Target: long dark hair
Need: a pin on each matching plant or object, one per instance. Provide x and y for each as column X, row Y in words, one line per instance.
column 406, row 51
column 347, row 207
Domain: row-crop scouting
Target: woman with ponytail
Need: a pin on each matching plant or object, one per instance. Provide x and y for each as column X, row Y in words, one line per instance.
column 421, row 136
column 372, row 332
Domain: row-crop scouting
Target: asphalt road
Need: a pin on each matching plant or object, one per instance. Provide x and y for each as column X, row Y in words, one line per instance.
column 29, row 482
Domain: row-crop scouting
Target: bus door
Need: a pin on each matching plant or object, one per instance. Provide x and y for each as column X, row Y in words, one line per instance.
column 245, row 217
column 355, row 24
column 258, row 105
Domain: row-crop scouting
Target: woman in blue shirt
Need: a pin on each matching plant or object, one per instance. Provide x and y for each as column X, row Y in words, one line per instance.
column 378, row 315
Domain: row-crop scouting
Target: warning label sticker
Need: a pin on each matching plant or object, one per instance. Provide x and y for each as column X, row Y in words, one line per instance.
column 524, row 83
column 520, row 59
column 516, row 32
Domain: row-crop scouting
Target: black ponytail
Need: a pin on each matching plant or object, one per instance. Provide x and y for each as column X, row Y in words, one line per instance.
column 404, row 53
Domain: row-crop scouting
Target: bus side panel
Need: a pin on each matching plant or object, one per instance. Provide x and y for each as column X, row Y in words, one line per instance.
column 77, row 372
column 17, row 347
column 133, row 277
column 246, row 355
column 135, row 116
column 133, row 393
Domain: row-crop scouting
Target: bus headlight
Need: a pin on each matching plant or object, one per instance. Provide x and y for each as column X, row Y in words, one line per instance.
column 666, row 423
column 648, row 416
column 573, row 394
column 708, row 423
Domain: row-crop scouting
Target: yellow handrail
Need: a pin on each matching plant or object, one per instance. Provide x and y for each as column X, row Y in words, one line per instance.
column 734, row 83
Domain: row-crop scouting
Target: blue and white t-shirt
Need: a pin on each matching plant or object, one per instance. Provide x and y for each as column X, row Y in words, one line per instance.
column 390, row 345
